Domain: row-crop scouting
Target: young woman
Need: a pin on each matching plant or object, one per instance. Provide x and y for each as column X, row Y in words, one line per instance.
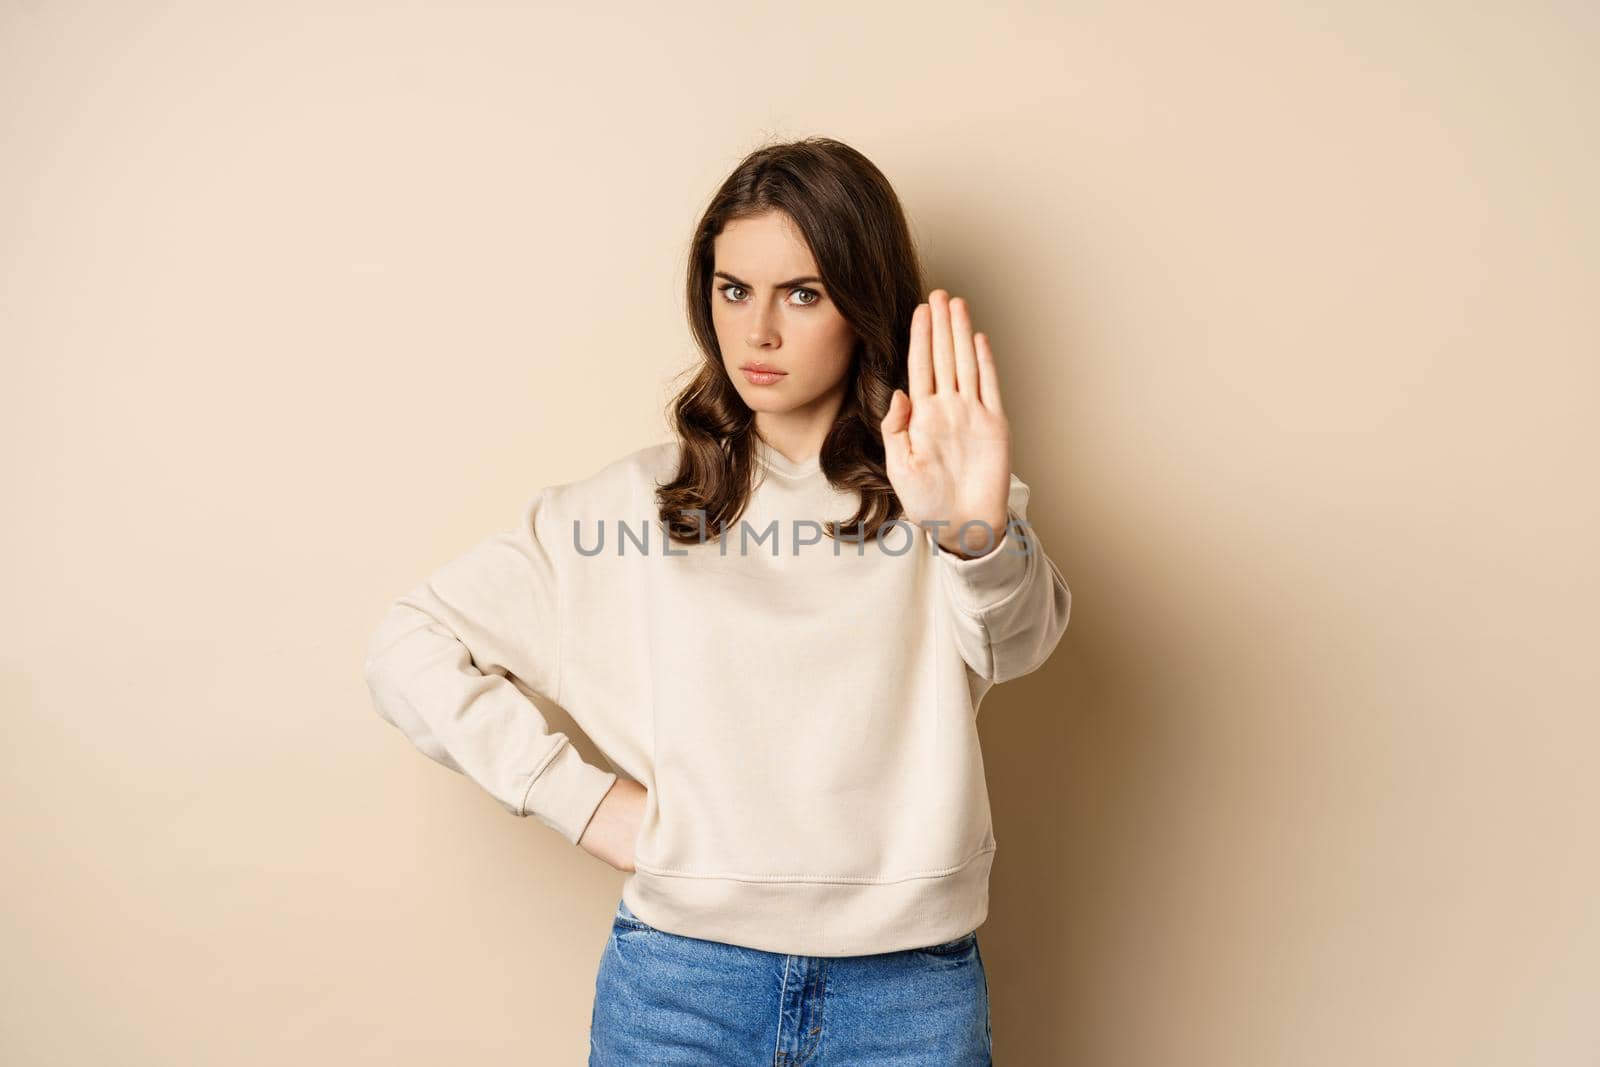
column 777, row 627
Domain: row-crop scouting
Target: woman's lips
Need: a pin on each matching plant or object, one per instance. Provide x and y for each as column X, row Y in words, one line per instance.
column 761, row 377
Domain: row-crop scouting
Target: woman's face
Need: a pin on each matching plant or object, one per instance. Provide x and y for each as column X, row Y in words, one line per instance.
column 769, row 307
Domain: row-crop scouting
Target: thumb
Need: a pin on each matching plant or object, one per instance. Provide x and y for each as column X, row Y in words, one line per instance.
column 896, row 440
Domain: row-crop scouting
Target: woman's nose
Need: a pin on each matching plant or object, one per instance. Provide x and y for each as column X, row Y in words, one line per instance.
column 763, row 331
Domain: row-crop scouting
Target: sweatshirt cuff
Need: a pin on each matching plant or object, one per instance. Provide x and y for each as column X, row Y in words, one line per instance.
column 982, row 584
column 566, row 793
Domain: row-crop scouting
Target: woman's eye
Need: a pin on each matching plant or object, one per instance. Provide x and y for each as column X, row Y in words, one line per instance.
column 734, row 294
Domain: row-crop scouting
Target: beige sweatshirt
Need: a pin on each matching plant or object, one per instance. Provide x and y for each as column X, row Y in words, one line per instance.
column 801, row 710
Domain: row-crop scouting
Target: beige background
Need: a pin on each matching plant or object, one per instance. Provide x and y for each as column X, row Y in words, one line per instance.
column 1294, row 308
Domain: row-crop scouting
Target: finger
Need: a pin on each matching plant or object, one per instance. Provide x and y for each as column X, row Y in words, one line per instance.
column 966, row 359
column 944, row 352
column 896, row 438
column 919, row 366
column 898, row 416
column 988, row 376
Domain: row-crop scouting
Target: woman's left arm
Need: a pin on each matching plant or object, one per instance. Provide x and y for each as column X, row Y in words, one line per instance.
column 1010, row 605
column 947, row 451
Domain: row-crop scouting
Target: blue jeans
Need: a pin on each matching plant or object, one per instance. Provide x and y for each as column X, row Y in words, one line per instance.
column 666, row 1000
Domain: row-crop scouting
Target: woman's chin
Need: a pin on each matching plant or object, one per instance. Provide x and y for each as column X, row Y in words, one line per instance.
column 764, row 401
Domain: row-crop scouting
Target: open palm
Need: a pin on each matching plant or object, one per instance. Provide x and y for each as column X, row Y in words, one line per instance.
column 947, row 446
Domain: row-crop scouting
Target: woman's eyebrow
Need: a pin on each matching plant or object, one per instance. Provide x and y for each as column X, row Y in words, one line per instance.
column 791, row 283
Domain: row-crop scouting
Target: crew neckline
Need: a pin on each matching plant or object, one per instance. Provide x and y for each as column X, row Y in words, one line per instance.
column 782, row 464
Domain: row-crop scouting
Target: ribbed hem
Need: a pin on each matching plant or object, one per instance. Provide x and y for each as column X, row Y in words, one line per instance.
column 566, row 793
column 816, row 918
column 982, row 584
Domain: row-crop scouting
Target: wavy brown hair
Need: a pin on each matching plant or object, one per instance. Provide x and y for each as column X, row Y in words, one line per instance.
column 857, row 232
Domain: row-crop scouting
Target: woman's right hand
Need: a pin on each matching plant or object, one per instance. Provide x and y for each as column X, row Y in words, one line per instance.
column 615, row 826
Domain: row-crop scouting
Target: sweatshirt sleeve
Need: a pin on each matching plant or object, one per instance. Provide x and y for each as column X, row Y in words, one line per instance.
column 1009, row 606
column 452, row 664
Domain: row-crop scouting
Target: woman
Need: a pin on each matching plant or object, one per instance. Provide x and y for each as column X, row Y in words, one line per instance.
column 785, row 675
